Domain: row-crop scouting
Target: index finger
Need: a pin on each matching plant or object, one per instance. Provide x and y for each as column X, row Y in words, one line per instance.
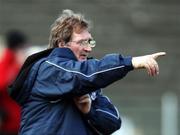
column 156, row 55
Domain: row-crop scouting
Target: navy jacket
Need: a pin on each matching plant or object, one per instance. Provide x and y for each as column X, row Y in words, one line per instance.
column 47, row 93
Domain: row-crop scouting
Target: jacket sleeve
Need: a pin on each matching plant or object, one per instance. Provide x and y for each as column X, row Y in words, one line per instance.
column 77, row 78
column 103, row 117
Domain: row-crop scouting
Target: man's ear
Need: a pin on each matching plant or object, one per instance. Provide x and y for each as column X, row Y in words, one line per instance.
column 61, row 44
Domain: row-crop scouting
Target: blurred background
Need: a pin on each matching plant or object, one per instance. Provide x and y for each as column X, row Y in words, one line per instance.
column 149, row 105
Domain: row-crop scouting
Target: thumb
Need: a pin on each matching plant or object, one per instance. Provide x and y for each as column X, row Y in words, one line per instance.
column 156, row 55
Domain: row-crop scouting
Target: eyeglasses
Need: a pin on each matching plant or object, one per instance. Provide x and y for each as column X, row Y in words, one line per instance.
column 86, row 43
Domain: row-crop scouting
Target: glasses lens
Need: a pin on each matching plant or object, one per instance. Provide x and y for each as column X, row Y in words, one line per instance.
column 92, row 43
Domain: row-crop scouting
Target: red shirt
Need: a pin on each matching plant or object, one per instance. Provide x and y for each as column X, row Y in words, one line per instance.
column 9, row 68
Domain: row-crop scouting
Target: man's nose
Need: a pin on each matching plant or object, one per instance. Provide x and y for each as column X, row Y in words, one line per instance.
column 88, row 48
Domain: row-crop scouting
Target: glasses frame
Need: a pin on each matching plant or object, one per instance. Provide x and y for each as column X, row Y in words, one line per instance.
column 86, row 43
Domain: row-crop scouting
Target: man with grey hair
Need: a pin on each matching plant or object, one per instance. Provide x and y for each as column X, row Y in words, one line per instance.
column 60, row 89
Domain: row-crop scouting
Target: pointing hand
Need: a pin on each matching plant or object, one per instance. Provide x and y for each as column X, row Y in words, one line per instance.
column 148, row 62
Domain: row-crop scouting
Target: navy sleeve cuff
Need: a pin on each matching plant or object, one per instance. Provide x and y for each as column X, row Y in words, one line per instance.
column 128, row 62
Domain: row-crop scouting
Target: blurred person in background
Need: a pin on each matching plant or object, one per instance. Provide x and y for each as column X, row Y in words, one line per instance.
column 12, row 59
column 60, row 89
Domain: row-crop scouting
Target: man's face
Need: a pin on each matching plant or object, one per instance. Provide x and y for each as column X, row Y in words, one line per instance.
column 80, row 50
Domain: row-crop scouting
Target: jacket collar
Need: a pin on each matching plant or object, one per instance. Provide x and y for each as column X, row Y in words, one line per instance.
column 64, row 53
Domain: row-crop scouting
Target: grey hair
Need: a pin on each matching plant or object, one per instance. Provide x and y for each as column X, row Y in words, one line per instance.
column 65, row 25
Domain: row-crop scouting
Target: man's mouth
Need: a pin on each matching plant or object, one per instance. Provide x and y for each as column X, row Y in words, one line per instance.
column 84, row 56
